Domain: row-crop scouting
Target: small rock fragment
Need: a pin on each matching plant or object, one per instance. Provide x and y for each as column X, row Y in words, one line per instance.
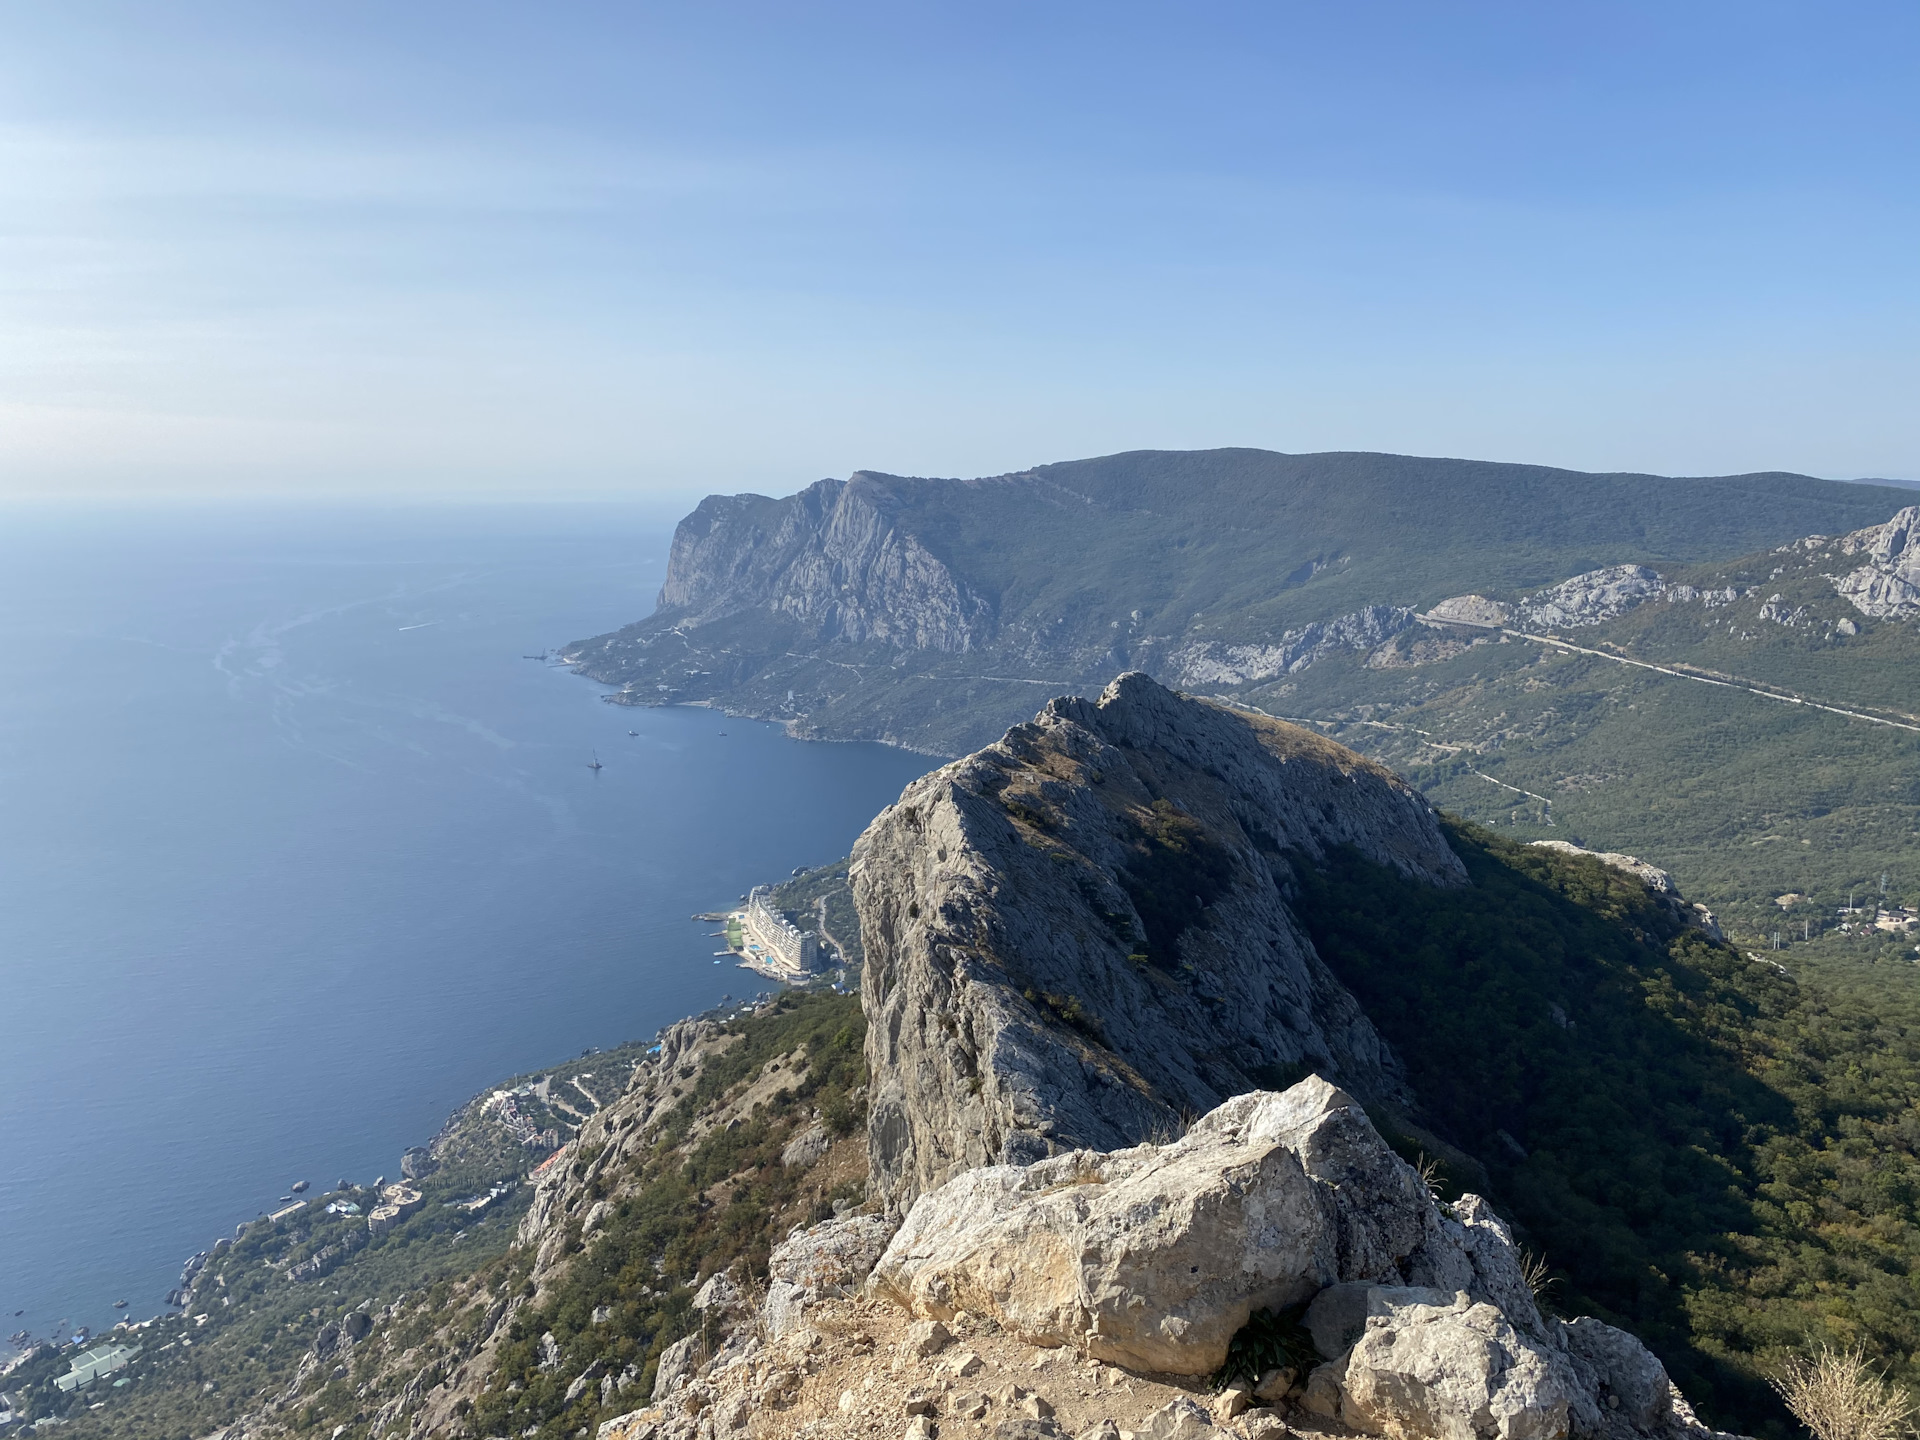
column 1100, row 1430
column 927, row 1337
column 966, row 1363
column 847, row 1401
column 1026, row 1429
column 1274, row 1385
column 921, row 1427
column 1181, row 1418
column 1035, row 1407
column 1232, row 1401
column 969, row 1407
column 918, row 1404
column 1323, row 1391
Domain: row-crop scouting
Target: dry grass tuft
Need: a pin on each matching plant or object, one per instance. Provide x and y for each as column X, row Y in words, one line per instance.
column 1838, row 1395
column 1537, row 1273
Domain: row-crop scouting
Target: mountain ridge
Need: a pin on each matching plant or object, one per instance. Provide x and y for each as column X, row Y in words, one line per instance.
column 839, row 609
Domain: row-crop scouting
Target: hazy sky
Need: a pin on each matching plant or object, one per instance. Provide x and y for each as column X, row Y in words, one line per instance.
column 572, row 248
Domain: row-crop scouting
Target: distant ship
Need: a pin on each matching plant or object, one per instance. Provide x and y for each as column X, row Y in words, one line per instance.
column 594, row 764
column 633, row 732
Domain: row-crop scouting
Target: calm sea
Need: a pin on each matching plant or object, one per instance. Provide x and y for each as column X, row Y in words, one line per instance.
column 297, row 852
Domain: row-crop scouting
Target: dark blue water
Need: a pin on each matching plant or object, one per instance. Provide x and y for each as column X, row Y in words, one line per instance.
column 297, row 853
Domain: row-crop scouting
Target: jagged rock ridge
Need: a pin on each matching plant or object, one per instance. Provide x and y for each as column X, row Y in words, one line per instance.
column 1081, row 934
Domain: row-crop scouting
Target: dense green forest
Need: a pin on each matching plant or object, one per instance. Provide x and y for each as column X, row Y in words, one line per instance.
column 1708, row 1151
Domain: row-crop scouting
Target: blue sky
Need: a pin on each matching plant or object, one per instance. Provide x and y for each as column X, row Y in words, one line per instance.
column 591, row 249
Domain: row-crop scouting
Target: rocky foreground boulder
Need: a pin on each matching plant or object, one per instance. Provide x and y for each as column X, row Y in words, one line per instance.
column 1082, row 933
column 1153, row 1257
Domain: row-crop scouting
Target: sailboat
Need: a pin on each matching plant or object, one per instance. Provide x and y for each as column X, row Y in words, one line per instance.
column 594, row 764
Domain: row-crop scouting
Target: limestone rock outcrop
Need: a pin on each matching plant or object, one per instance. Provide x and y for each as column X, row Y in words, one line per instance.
column 1213, row 662
column 1452, row 1368
column 1476, row 610
column 1888, row 584
column 1591, row 598
column 1153, row 1257
column 1659, row 882
column 1081, row 933
column 831, row 1258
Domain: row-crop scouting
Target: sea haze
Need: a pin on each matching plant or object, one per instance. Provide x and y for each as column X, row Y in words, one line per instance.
column 299, row 853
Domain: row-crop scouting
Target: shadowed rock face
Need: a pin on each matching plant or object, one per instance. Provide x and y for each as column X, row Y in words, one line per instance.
column 1081, row 934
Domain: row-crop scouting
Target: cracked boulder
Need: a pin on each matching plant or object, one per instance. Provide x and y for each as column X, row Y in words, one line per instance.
column 1153, row 1257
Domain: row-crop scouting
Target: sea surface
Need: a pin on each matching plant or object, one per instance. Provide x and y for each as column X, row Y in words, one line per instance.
column 298, row 852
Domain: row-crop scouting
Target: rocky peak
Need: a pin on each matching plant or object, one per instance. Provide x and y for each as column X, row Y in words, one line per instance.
column 1081, row 934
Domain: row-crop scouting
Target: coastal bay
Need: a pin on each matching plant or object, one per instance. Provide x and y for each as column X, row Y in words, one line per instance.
column 302, row 852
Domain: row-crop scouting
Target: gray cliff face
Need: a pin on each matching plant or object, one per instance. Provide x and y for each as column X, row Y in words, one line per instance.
column 1888, row 585
column 1213, row 663
column 831, row 559
column 1081, row 934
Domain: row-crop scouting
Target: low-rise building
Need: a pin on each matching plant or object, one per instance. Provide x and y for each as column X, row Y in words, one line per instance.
column 90, row 1365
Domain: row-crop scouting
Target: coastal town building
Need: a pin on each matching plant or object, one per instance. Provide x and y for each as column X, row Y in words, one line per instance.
column 769, row 936
column 90, row 1365
column 397, row 1202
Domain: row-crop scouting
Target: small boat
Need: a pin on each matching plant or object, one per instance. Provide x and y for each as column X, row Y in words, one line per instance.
column 594, row 764
column 285, row 1198
column 633, row 732
column 119, row 1304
